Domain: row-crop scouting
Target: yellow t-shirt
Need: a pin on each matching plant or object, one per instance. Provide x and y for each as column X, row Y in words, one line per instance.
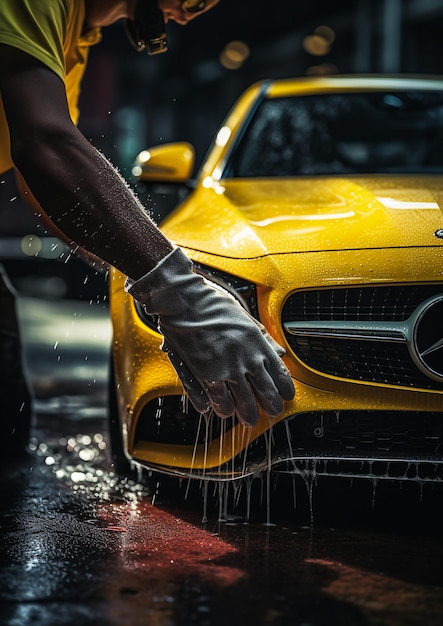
column 51, row 31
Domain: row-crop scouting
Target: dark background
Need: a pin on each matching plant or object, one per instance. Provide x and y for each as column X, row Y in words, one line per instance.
column 131, row 100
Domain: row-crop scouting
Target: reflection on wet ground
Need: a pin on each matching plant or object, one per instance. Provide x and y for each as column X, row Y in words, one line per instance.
column 78, row 545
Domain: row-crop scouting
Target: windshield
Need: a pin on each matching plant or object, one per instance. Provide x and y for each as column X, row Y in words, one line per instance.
column 347, row 133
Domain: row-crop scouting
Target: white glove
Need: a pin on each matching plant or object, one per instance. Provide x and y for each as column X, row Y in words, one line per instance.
column 225, row 359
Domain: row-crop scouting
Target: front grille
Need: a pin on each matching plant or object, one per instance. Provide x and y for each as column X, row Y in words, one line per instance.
column 378, row 303
column 387, row 362
column 380, row 363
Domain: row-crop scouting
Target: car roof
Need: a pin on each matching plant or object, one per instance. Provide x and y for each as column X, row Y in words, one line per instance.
column 294, row 86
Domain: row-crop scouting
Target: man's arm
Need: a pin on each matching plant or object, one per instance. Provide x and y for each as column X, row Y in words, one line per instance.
column 226, row 361
column 78, row 189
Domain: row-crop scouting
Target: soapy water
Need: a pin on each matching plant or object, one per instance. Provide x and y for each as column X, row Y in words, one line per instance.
column 278, row 452
column 82, row 462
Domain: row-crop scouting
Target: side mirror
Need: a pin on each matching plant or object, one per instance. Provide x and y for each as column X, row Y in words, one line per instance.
column 168, row 163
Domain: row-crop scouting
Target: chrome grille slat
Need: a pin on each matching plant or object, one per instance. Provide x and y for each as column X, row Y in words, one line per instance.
column 326, row 329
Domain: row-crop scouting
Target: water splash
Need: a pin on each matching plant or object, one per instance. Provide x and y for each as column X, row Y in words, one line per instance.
column 81, row 462
column 234, row 489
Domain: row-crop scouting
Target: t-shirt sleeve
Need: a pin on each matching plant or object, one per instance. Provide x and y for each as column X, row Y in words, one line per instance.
column 37, row 27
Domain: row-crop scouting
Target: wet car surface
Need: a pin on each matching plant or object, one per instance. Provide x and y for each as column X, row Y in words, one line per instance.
column 81, row 546
column 319, row 207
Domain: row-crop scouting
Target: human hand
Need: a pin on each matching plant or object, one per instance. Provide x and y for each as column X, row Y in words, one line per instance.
column 226, row 360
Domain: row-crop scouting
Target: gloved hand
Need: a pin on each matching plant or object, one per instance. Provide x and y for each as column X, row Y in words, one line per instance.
column 225, row 359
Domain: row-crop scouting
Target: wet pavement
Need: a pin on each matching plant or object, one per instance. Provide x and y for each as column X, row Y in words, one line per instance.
column 80, row 546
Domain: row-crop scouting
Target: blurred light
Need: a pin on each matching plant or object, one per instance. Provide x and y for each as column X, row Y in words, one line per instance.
column 31, row 245
column 326, row 33
column 210, row 183
column 144, row 156
column 316, row 45
column 78, row 477
column 87, row 454
column 222, row 136
column 234, row 55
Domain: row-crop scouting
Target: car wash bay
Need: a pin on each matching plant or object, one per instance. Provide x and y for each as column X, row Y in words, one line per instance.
column 81, row 546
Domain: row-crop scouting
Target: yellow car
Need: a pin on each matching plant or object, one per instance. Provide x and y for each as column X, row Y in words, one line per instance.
column 320, row 206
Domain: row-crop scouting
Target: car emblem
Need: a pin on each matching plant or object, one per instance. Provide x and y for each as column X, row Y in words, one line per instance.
column 439, row 233
column 427, row 338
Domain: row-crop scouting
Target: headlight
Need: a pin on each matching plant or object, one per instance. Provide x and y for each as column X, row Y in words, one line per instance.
column 242, row 290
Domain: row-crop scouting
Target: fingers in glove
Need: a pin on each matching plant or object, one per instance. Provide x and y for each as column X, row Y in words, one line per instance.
column 220, row 398
column 271, row 385
column 213, row 395
column 266, row 394
column 245, row 402
column 279, row 350
column 282, row 379
column 194, row 390
column 276, row 367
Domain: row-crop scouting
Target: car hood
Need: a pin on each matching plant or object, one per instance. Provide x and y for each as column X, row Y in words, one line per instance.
column 251, row 218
